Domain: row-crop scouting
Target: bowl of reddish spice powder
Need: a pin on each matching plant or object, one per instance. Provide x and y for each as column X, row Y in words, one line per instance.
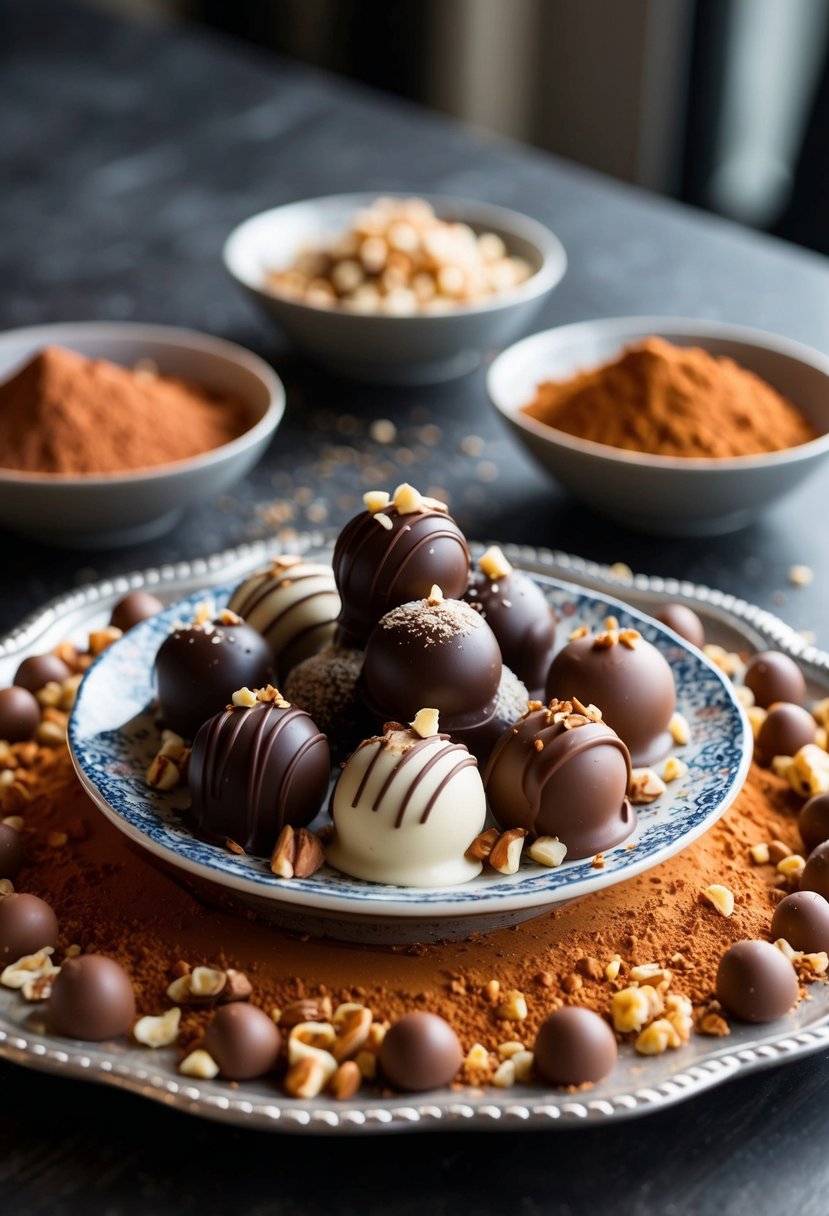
column 109, row 431
column 673, row 427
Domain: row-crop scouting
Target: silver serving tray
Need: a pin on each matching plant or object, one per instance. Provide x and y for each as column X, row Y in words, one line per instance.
column 636, row 1086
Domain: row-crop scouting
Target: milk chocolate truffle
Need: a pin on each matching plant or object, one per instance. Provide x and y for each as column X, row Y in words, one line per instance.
column 11, row 851
column 420, row 1051
column 406, row 807
column 39, row 670
column 294, row 605
column 134, row 608
column 786, row 729
column 813, row 821
column 325, row 686
column 756, row 982
column 773, row 676
column 243, row 1041
column 395, row 552
column 19, row 714
column 198, row 668
column 628, row 679
column 27, row 924
column 803, row 920
column 255, row 768
column 574, row 1046
column 518, row 614
column 92, row 998
column 561, row 771
column 684, row 621
column 815, row 876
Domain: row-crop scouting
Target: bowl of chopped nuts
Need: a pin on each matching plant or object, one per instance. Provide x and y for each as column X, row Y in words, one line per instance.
column 396, row 290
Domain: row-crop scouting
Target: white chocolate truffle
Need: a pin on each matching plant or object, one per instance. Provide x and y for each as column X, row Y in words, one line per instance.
column 294, row 605
column 406, row 809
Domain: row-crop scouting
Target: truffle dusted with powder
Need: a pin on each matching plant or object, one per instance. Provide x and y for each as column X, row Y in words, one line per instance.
column 516, row 611
column 325, row 686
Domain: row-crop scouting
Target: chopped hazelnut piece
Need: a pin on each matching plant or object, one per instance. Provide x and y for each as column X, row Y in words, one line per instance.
column 719, row 897
column 159, row 1031
column 791, row 867
column 199, row 1064
column 383, row 520
column 426, row 723
column 505, row 856
column 345, row 1081
column 613, row 968
column 493, row 563
column 407, row 500
column 680, row 730
column 244, row 697
column 481, row 846
column 376, row 500
column 760, row 853
column 674, row 769
column 284, row 853
column 504, row 1075
column 646, row 786
column 630, row 1009
column 657, row 1038
column 435, row 596
column 513, row 1008
column 756, row 717
column 809, row 771
column 548, row 850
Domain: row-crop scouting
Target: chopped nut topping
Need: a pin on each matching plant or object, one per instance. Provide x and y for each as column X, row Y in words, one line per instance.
column 657, row 1038
column 646, row 786
column 407, row 500
column 310, row 854
column 513, row 1008
column 820, row 712
column 504, row 1075
column 580, row 632
column 345, row 1081
column 760, row 853
column 611, row 623
column 435, row 596
column 101, row 639
column 353, row 1034
column 163, row 773
column 284, row 853
column 244, row 697
column 651, row 973
column 320, row 1035
column 383, row 520
column 719, row 897
column 477, row 1059
column 505, row 856
column 199, row 1064
column 629, row 637
column 492, row 990
column 522, row 1062
column 159, row 1031
column 729, row 662
column 680, row 730
column 780, row 766
column 711, row 1022
column 493, row 563
column 481, row 846
column 630, row 1009
column 674, row 769
column 746, row 698
column 548, row 850
column 809, row 771
column 598, row 862
column 792, row 867
column 308, row 1077
column 6, row 887
column 507, row 1050
column 778, row 850
column 817, row 963
column 426, row 723
column 309, row 1009
column 201, row 986
column 613, row 968
column 30, row 966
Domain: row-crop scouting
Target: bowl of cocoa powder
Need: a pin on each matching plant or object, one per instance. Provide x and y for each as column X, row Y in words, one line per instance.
column 109, row 431
column 673, row 427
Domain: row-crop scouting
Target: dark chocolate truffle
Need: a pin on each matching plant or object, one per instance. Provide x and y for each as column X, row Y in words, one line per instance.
column 27, row 924
column 815, row 876
column 420, row 1051
column 19, row 714
column 255, row 769
column 133, row 608
column 773, row 676
column 199, row 667
column 803, row 920
column 518, row 614
column 39, row 670
column 684, row 621
column 560, row 772
column 11, row 851
column 393, row 556
column 786, row 729
column 243, row 1041
column 574, row 1046
column 813, row 821
column 630, row 682
column 92, row 998
column 756, row 982
column 325, row 686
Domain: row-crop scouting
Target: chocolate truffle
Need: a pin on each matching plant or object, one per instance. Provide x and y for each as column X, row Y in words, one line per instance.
column 786, row 729
column 630, row 682
column 684, row 621
column 133, row 608
column 394, row 554
column 243, row 1041
column 815, row 876
column 773, row 676
column 561, row 771
column 294, row 605
column 406, row 807
column 803, row 920
column 518, row 614
column 92, row 998
column 19, row 714
column 574, row 1046
column 325, row 686
column 11, row 851
column 27, row 924
column 254, row 769
column 199, row 667
column 420, row 1051
column 39, row 670
column 756, row 982
column 813, row 821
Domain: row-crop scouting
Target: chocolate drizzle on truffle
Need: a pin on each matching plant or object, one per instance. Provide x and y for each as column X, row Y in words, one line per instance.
column 410, row 754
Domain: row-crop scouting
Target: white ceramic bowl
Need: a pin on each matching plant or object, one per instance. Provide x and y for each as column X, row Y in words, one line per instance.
column 93, row 511
column 663, row 494
column 393, row 349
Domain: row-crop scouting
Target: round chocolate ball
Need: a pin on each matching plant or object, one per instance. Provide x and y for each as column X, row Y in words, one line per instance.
column 815, row 876
column 773, row 676
column 420, row 1051
column 11, row 851
column 19, row 714
column 524, row 624
column 92, row 998
column 133, row 608
column 574, row 1046
column 786, row 729
column 684, row 621
column 243, row 1041
column 813, row 821
column 27, row 924
column 39, row 670
column 803, row 920
column 756, row 982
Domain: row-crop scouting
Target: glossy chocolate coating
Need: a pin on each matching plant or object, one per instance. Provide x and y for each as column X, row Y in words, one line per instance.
column 573, row 787
column 803, row 920
column 377, row 568
column 325, row 686
column 815, row 876
column 92, row 998
column 27, row 924
column 420, row 1051
column 243, row 1041
column 574, row 1046
column 684, row 621
column 756, row 982
column 773, row 676
column 39, row 670
column 813, row 821
column 523, row 622
column 19, row 714
column 133, row 608
column 633, row 687
column 11, row 851
column 254, row 770
column 200, row 667
column 786, row 729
